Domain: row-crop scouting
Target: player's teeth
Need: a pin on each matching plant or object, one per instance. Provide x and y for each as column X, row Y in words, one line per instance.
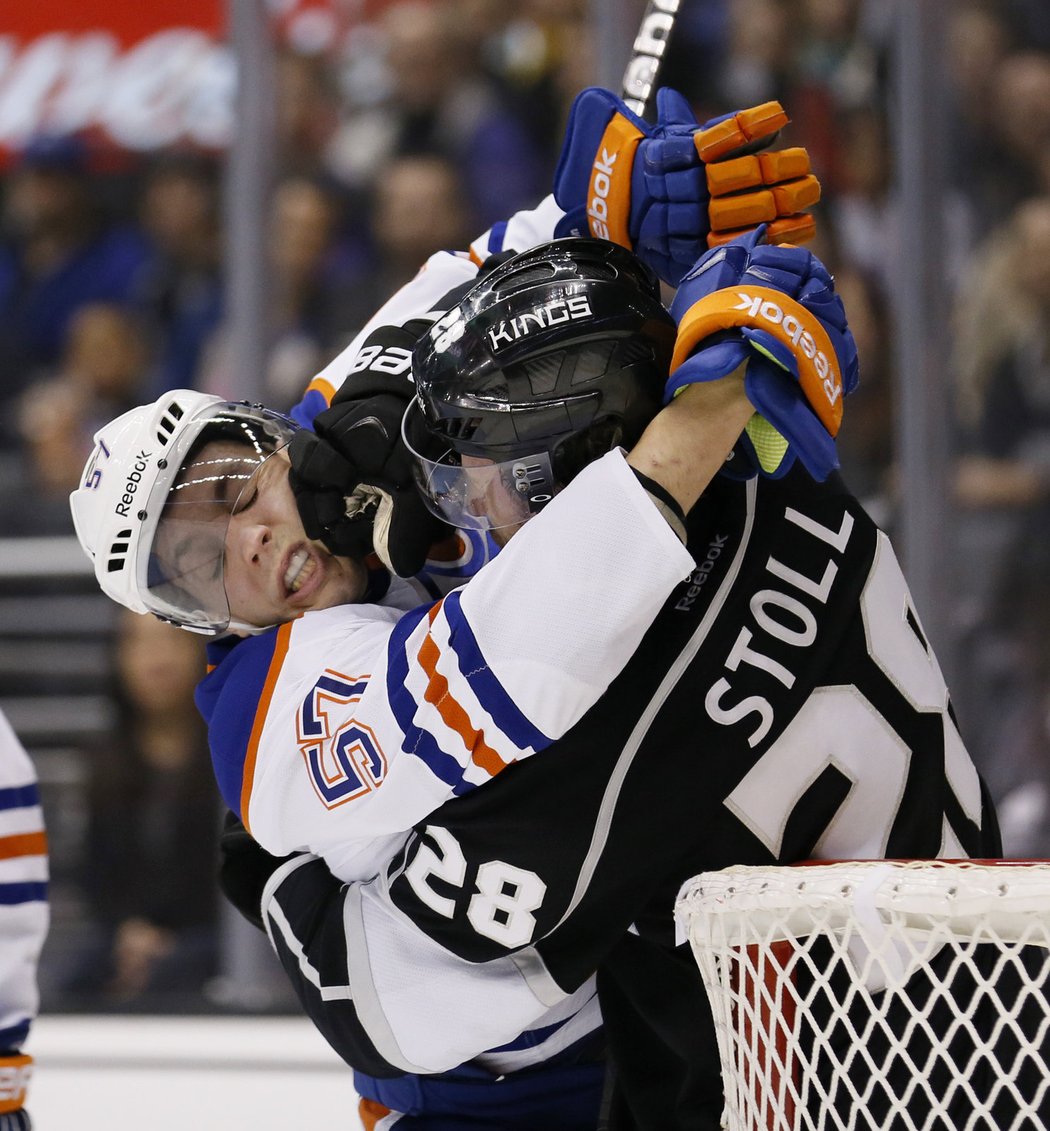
column 299, row 569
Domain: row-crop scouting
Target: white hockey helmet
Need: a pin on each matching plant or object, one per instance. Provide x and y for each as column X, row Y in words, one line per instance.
column 152, row 515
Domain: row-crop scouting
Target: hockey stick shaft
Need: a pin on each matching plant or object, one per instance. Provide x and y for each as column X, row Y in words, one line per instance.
column 647, row 54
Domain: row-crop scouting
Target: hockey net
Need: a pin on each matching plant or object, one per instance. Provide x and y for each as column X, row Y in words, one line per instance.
column 912, row 996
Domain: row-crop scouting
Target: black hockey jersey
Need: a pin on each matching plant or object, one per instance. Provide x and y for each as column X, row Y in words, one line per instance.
column 785, row 705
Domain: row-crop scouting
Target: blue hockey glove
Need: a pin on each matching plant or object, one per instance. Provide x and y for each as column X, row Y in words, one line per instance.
column 671, row 190
column 776, row 309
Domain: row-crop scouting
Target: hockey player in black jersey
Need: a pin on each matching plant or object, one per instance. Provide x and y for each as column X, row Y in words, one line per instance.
column 785, row 705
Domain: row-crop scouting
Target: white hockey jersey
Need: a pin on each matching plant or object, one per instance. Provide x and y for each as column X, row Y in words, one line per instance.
column 23, row 911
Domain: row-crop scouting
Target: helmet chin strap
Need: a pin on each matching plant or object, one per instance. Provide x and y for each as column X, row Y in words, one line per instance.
column 234, row 628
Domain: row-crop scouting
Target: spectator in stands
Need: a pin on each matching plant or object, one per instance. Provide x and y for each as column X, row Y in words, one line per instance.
column 866, row 449
column 59, row 254
column 311, row 293
column 419, row 208
column 103, row 369
column 180, row 286
column 1014, row 154
column 440, row 101
column 760, row 43
column 1003, row 368
column 149, row 869
column 977, row 38
column 1002, row 364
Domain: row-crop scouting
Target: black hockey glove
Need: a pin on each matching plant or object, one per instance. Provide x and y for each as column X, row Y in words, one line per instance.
column 352, row 477
column 17, row 1120
column 354, row 488
column 244, row 868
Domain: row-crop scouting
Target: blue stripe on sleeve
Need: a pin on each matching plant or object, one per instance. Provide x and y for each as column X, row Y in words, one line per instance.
column 312, row 403
column 14, row 1036
column 497, row 234
column 487, row 687
column 418, row 742
column 19, row 797
column 27, row 892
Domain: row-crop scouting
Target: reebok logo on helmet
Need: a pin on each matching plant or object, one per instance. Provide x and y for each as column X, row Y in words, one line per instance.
column 131, row 484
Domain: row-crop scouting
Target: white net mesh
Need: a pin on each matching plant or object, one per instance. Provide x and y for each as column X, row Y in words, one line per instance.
column 909, row 996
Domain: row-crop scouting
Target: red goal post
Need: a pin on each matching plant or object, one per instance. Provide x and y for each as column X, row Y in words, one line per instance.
column 878, row 995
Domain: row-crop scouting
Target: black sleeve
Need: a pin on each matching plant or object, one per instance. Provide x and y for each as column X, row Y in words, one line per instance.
column 303, row 917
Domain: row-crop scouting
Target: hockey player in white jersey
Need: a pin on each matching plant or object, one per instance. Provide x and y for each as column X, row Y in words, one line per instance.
column 23, row 921
column 186, row 511
column 784, row 705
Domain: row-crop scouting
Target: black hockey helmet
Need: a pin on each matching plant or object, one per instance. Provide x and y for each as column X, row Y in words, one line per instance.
column 550, row 360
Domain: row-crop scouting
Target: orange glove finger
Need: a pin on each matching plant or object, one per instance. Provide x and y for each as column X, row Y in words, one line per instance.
column 740, row 173
column 743, row 128
column 747, row 209
column 796, row 196
column 787, row 229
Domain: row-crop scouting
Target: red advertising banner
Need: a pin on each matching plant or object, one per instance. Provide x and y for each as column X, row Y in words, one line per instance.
column 128, row 20
column 134, row 74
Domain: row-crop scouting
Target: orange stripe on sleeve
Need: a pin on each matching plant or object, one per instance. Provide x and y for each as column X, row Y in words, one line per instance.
column 280, row 650
column 23, row 844
column 452, row 713
column 325, row 388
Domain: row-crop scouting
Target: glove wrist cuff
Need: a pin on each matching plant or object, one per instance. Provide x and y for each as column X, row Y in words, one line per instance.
column 15, row 1072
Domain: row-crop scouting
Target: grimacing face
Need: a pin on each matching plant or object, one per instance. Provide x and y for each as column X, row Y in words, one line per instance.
column 271, row 571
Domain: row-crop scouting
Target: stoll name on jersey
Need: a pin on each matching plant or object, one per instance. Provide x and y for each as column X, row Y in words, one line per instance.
column 782, row 612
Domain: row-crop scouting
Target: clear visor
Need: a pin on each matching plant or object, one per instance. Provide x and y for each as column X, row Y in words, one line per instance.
column 474, row 493
column 218, row 477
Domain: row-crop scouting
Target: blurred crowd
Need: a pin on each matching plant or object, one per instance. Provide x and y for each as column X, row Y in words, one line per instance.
column 436, row 118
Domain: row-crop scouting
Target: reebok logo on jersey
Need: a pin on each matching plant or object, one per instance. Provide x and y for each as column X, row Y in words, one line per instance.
column 131, row 485
column 760, row 307
column 553, row 314
column 698, row 578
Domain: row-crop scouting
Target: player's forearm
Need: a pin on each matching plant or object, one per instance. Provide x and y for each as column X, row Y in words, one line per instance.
column 687, row 443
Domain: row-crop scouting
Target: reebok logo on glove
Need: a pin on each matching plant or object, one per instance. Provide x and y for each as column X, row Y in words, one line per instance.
column 610, row 189
column 598, row 209
column 759, row 307
column 777, row 326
